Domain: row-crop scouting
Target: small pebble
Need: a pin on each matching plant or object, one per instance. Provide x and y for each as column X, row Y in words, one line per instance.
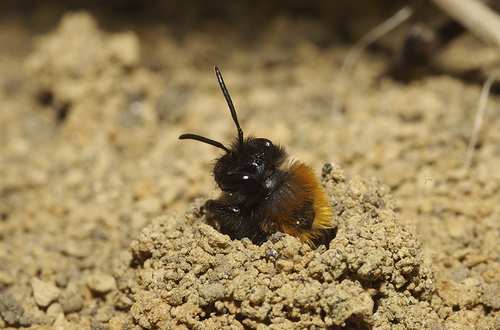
column 104, row 314
column 116, row 323
column 62, row 280
column 44, row 292
column 101, row 283
column 122, row 302
column 6, row 279
column 54, row 310
column 212, row 292
column 60, row 323
column 71, row 301
column 11, row 311
column 258, row 295
column 77, row 248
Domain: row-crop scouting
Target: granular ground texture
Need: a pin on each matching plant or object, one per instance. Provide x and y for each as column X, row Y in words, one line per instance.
column 94, row 184
column 185, row 274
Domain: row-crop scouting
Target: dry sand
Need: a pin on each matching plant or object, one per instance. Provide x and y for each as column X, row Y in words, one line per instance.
column 94, row 232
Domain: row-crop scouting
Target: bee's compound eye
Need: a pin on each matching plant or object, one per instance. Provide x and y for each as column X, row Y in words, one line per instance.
column 263, row 142
column 235, row 210
column 267, row 143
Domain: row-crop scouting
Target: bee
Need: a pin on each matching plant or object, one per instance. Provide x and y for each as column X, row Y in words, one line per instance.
column 263, row 192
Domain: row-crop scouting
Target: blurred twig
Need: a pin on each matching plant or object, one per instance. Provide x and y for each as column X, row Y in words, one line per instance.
column 481, row 111
column 475, row 16
column 373, row 35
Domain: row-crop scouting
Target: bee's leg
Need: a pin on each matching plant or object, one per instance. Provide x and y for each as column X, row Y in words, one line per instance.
column 222, row 216
column 326, row 236
column 233, row 221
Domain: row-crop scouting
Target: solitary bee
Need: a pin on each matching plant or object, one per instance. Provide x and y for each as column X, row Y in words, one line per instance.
column 263, row 192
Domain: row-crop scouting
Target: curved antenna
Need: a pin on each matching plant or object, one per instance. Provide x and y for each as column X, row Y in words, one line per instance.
column 229, row 103
column 203, row 139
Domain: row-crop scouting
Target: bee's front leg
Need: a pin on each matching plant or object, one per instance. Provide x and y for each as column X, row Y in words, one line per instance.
column 233, row 220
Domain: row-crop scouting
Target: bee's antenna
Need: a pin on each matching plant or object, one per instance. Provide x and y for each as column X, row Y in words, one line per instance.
column 204, row 140
column 229, row 103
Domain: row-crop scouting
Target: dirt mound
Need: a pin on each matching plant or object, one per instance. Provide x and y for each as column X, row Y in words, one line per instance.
column 372, row 274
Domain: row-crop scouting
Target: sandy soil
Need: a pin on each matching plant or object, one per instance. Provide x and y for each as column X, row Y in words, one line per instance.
column 99, row 202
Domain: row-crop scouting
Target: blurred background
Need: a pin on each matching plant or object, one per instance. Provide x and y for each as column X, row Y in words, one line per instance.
column 93, row 96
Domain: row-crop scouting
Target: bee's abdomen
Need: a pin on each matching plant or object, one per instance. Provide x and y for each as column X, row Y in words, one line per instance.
column 300, row 207
column 304, row 215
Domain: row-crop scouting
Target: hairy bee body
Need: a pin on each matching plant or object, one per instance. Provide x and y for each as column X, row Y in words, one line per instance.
column 300, row 207
column 262, row 192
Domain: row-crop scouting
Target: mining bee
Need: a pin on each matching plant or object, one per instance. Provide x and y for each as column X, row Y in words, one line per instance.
column 263, row 192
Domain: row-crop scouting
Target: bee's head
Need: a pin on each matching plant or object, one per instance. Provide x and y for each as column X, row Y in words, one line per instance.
column 247, row 167
column 248, row 164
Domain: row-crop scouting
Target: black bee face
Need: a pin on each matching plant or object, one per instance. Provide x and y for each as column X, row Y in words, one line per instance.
column 248, row 167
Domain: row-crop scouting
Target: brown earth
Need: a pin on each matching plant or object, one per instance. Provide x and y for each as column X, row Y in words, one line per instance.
column 95, row 186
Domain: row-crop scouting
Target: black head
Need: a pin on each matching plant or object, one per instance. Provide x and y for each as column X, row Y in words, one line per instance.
column 250, row 165
column 249, row 168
